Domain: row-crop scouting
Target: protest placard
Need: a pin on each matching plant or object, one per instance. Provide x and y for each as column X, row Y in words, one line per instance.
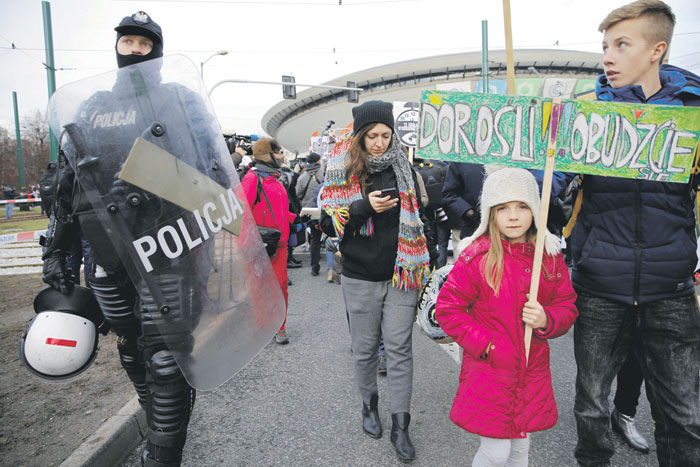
column 406, row 122
column 650, row 142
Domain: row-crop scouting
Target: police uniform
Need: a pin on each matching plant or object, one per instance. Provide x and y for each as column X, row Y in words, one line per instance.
column 147, row 337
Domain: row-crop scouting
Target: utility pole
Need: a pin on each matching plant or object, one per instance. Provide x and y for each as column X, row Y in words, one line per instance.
column 485, row 55
column 20, row 158
column 50, row 69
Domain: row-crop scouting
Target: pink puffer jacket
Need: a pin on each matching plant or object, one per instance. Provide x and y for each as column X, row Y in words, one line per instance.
column 499, row 397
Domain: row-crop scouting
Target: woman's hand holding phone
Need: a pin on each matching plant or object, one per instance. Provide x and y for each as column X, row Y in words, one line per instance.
column 383, row 200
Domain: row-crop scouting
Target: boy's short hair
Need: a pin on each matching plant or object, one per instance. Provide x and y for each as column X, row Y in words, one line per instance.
column 661, row 19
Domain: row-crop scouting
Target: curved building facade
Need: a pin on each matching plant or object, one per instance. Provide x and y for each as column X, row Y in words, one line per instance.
column 538, row 72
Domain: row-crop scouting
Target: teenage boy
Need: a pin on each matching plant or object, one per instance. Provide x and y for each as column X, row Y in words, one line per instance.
column 634, row 254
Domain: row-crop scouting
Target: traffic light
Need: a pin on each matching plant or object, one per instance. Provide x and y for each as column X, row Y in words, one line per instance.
column 289, row 91
column 353, row 96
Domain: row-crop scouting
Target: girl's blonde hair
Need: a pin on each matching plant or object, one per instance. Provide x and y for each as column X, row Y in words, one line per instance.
column 493, row 266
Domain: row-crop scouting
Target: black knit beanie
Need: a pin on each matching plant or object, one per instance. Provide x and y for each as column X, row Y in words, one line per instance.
column 372, row 112
column 139, row 24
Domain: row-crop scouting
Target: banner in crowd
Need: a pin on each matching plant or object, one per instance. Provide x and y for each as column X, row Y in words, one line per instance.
column 322, row 145
column 547, row 87
column 406, row 122
column 637, row 141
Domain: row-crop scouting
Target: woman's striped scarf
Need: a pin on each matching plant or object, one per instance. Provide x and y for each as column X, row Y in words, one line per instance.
column 412, row 262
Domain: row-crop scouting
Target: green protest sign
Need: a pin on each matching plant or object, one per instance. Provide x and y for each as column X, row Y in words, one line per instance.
column 591, row 137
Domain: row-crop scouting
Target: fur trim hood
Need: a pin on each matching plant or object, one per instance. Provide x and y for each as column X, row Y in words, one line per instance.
column 510, row 184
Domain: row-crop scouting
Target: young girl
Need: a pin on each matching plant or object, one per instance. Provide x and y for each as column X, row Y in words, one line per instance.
column 483, row 305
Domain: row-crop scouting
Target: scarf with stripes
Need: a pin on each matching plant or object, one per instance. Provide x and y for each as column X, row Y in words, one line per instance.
column 412, row 266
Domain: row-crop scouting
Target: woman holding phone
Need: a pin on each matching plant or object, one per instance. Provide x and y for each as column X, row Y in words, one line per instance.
column 370, row 202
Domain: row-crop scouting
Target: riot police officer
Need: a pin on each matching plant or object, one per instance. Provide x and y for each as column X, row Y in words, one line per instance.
column 146, row 348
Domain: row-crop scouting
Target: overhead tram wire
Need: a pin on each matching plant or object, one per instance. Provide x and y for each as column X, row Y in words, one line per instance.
column 319, row 52
column 332, row 3
column 14, row 47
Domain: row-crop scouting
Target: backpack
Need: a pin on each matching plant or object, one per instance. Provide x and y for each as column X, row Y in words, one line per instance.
column 433, row 176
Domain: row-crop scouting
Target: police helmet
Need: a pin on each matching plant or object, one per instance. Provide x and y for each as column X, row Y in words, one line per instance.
column 61, row 340
column 426, row 306
column 140, row 24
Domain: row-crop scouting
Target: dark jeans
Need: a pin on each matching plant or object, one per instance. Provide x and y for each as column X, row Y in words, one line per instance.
column 80, row 252
column 315, row 248
column 629, row 386
column 665, row 337
column 442, row 232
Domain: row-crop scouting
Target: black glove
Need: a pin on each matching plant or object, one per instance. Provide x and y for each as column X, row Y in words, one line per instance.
column 55, row 272
column 468, row 215
column 119, row 189
column 304, row 219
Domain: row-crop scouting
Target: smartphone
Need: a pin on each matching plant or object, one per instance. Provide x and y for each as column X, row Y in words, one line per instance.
column 393, row 192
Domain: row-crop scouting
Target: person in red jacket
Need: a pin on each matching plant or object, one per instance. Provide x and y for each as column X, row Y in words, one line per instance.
column 483, row 305
column 268, row 200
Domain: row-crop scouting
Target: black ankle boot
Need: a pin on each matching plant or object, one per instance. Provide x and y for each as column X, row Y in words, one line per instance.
column 399, row 436
column 370, row 418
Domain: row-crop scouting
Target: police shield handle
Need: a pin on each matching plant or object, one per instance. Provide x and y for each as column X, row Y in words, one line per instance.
column 543, row 214
column 159, row 172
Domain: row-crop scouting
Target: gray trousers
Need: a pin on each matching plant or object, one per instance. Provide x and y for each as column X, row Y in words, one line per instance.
column 377, row 309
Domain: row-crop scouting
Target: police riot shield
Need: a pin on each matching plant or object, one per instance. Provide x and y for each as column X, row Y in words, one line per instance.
column 151, row 160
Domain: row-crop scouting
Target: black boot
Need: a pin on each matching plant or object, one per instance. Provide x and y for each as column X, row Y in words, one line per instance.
column 399, row 436
column 370, row 418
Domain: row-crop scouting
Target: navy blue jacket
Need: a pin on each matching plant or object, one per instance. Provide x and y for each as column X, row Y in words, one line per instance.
column 634, row 241
column 460, row 193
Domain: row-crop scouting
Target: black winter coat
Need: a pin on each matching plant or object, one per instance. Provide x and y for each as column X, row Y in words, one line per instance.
column 373, row 258
column 460, row 193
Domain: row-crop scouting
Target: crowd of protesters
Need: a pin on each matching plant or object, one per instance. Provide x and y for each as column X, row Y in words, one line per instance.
column 637, row 322
column 386, row 221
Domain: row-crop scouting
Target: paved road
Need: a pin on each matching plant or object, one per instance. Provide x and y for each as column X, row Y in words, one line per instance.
column 297, row 405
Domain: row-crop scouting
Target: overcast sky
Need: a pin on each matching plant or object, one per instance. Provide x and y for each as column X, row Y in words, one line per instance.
column 313, row 40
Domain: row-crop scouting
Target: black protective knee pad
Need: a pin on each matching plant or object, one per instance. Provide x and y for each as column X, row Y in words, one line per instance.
column 171, row 401
column 117, row 298
column 132, row 361
column 175, row 316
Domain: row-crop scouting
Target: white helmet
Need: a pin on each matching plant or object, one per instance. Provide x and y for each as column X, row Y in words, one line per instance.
column 426, row 306
column 61, row 340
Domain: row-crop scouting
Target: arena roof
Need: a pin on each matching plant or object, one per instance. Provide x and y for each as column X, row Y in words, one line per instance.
column 292, row 122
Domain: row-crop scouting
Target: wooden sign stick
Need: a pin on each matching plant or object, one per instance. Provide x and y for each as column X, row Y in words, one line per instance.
column 510, row 62
column 543, row 214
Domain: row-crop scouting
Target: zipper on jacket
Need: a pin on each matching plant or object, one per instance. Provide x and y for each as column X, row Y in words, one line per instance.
column 637, row 240
column 638, row 233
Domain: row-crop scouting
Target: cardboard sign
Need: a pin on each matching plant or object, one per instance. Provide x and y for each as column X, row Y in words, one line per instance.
column 637, row 141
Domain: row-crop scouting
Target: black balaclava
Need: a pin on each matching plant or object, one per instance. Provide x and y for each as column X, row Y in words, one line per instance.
column 139, row 24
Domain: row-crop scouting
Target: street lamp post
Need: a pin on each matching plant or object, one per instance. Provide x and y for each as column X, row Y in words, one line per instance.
column 534, row 70
column 201, row 65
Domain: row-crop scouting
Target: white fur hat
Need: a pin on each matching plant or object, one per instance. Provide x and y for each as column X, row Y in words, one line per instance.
column 510, row 184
